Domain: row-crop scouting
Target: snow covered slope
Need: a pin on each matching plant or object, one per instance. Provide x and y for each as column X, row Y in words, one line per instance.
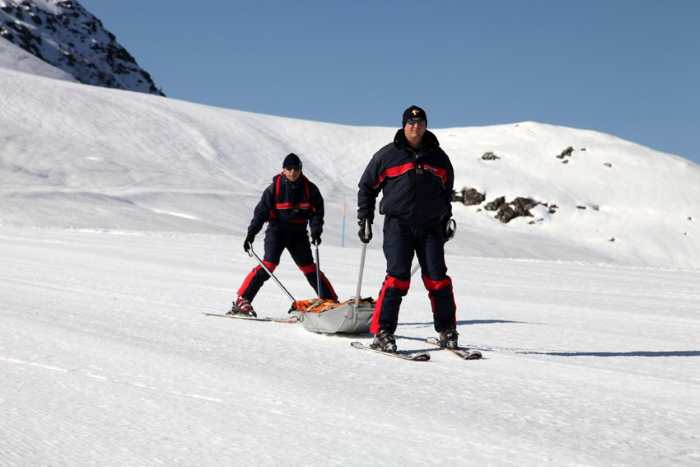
column 67, row 36
column 106, row 359
column 86, row 157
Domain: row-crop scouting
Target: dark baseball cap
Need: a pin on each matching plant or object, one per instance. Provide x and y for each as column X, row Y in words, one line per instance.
column 414, row 114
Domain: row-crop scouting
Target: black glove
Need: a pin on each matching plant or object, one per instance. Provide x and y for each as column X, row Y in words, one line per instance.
column 365, row 232
column 449, row 227
column 316, row 237
column 248, row 242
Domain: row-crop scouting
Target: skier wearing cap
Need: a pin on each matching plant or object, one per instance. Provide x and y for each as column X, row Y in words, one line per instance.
column 288, row 205
column 416, row 179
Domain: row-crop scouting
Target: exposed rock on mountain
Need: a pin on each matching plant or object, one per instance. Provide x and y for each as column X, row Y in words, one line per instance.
column 489, row 156
column 65, row 35
column 566, row 153
column 496, row 204
column 468, row 197
column 519, row 207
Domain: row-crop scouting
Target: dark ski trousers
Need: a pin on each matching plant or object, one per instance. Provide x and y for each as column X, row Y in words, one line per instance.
column 297, row 242
column 401, row 241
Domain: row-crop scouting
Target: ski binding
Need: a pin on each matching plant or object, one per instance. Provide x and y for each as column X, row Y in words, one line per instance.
column 412, row 356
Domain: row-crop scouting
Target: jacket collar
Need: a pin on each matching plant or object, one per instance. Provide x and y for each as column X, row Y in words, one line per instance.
column 429, row 141
column 300, row 181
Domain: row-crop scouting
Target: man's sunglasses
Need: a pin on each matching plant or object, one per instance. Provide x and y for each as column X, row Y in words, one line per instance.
column 293, row 167
column 414, row 121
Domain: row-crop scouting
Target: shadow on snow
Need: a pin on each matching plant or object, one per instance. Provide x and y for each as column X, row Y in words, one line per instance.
column 639, row 353
column 469, row 322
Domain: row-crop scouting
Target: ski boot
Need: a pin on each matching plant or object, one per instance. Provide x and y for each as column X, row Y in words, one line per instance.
column 384, row 341
column 242, row 306
column 448, row 339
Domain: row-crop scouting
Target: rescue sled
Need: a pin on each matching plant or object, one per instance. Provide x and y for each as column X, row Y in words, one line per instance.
column 330, row 317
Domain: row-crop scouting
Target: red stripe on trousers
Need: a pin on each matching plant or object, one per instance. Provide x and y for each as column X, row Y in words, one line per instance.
column 307, row 268
column 434, row 286
column 389, row 282
column 249, row 278
column 311, row 268
column 431, row 284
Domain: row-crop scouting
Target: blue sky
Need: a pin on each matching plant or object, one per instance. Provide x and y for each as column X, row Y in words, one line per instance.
column 630, row 68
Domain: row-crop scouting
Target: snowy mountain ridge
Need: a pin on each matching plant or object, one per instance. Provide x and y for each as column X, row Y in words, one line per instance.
column 14, row 58
column 93, row 158
column 64, row 34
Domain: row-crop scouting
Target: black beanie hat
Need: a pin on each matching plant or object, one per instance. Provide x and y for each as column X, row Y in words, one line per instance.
column 292, row 160
column 413, row 112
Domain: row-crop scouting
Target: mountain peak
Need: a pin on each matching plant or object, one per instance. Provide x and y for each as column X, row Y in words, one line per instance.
column 64, row 34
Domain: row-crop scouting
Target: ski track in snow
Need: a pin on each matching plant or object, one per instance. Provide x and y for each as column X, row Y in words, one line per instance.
column 107, row 359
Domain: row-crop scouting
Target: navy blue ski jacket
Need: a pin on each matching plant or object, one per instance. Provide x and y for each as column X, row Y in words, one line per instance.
column 287, row 204
column 416, row 184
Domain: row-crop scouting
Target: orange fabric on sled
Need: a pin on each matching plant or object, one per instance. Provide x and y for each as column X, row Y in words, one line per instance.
column 316, row 305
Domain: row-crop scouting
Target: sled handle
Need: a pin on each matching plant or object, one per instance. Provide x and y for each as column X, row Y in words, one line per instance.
column 318, row 274
column 359, row 280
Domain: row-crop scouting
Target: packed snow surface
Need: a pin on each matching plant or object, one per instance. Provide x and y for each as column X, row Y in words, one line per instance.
column 106, row 358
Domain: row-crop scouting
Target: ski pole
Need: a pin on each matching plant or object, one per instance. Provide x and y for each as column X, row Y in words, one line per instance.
column 359, row 280
column 252, row 253
column 362, row 268
column 318, row 274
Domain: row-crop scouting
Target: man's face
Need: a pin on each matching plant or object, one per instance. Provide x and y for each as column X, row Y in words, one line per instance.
column 292, row 173
column 414, row 131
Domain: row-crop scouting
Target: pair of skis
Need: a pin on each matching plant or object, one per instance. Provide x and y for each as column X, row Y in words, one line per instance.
column 461, row 352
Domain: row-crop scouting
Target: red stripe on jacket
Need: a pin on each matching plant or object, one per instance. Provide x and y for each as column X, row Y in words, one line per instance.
column 302, row 205
column 438, row 172
column 394, row 171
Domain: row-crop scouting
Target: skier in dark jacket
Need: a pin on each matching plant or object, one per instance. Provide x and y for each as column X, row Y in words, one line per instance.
column 288, row 205
column 416, row 179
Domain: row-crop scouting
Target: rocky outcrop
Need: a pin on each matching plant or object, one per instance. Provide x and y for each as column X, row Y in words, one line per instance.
column 496, row 204
column 505, row 211
column 65, row 35
column 468, row 197
column 489, row 156
column 519, row 207
column 566, row 153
